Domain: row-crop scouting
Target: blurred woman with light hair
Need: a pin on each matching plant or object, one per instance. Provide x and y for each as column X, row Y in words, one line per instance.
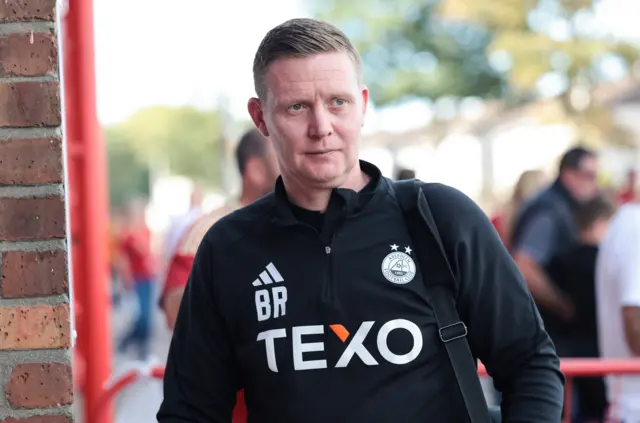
column 529, row 183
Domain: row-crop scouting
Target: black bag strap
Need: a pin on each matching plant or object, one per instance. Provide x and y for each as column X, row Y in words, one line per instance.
column 441, row 295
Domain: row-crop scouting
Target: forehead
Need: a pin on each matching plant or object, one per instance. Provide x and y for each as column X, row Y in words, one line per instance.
column 292, row 76
column 589, row 163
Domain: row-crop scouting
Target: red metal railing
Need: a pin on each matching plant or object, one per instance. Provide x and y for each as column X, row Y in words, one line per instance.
column 585, row 367
column 571, row 367
column 122, row 382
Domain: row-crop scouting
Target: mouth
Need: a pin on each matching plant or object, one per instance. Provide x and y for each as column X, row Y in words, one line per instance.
column 320, row 153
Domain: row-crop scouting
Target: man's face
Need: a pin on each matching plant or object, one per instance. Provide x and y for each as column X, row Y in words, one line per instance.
column 313, row 112
column 583, row 182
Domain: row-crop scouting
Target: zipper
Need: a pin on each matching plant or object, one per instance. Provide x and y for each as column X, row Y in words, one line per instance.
column 328, row 296
column 329, row 290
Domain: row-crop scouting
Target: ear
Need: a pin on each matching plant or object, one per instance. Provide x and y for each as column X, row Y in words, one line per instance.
column 257, row 115
column 365, row 101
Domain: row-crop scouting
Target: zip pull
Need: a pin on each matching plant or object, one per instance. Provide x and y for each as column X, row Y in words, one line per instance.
column 327, row 249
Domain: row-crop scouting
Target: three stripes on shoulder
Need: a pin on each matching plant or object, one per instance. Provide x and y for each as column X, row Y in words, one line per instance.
column 269, row 276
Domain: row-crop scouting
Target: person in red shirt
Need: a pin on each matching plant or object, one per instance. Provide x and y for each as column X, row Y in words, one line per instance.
column 258, row 168
column 629, row 193
column 139, row 275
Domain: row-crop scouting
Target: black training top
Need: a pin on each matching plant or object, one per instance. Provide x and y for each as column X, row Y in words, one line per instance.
column 332, row 325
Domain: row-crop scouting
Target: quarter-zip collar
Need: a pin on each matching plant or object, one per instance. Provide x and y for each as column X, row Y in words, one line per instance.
column 343, row 202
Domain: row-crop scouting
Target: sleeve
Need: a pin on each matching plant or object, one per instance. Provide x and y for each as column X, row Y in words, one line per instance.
column 177, row 273
column 201, row 380
column 505, row 329
column 538, row 238
column 629, row 262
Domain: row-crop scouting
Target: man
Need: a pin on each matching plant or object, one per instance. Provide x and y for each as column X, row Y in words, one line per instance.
column 258, row 168
column 287, row 298
column 546, row 228
column 618, row 308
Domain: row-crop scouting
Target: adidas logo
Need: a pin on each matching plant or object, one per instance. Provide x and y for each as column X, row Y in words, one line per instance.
column 269, row 276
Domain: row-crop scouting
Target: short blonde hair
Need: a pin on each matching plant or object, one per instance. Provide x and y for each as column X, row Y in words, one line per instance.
column 300, row 38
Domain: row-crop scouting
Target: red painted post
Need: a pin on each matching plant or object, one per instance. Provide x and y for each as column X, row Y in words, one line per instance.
column 88, row 206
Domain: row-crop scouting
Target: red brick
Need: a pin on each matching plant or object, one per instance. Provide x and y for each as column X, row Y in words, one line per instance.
column 39, row 419
column 23, row 10
column 33, row 274
column 30, row 162
column 40, row 385
column 25, row 104
column 34, row 327
column 32, row 54
column 31, row 218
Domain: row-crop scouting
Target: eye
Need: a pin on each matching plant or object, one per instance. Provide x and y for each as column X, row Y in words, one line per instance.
column 296, row 107
column 339, row 102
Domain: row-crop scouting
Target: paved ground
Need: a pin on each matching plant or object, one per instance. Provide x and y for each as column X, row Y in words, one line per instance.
column 139, row 402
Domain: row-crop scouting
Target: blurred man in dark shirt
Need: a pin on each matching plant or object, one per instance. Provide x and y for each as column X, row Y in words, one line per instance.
column 574, row 274
column 546, row 228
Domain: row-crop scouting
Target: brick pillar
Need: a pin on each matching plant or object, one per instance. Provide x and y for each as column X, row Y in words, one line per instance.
column 35, row 366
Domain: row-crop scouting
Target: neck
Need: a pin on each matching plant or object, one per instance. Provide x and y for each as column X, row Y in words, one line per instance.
column 246, row 199
column 562, row 187
column 248, row 195
column 589, row 238
column 317, row 199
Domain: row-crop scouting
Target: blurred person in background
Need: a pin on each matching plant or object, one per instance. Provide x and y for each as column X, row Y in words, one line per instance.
column 629, row 191
column 180, row 223
column 139, row 275
column 404, row 174
column 529, row 183
column 618, row 308
column 574, row 273
column 546, row 228
column 117, row 263
column 178, row 226
column 258, row 168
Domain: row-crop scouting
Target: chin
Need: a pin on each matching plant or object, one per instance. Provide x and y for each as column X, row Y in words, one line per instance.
column 327, row 172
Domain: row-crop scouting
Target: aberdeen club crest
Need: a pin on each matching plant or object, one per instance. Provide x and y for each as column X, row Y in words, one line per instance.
column 398, row 267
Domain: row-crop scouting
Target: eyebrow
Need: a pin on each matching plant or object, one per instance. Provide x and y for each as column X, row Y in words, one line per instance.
column 302, row 99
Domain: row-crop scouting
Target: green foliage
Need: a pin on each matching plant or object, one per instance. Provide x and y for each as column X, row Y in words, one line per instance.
column 409, row 52
column 486, row 48
column 128, row 176
column 181, row 140
column 431, row 48
column 186, row 138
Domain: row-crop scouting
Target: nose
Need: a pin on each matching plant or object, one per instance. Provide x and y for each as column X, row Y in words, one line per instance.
column 320, row 126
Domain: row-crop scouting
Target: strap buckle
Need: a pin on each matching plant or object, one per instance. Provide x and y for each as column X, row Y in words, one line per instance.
column 452, row 332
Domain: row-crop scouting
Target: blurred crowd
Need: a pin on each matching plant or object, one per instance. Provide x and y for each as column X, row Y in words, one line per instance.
column 560, row 233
